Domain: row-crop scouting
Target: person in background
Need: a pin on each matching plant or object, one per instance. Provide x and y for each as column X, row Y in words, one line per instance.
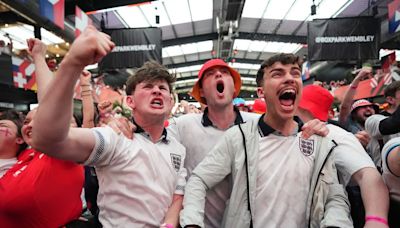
column 353, row 164
column 30, row 190
column 11, row 141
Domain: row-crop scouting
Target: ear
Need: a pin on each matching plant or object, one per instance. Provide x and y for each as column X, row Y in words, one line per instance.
column 201, row 92
column 130, row 102
column 260, row 92
column 19, row 140
column 390, row 100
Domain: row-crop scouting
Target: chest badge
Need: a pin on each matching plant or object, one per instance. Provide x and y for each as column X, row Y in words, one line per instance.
column 306, row 146
column 176, row 161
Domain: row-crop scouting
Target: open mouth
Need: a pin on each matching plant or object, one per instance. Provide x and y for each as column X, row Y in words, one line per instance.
column 287, row 97
column 157, row 102
column 220, row 87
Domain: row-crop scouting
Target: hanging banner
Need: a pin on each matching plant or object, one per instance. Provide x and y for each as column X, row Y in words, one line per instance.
column 23, row 72
column 355, row 38
column 133, row 48
column 81, row 21
column 53, row 10
column 394, row 16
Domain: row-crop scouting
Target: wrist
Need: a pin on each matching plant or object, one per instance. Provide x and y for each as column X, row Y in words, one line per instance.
column 167, row 225
column 70, row 62
column 377, row 219
column 353, row 86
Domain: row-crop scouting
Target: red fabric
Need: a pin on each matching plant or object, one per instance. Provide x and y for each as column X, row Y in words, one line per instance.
column 40, row 191
column 317, row 100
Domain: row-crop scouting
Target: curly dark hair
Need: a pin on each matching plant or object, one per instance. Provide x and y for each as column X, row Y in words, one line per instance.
column 18, row 119
column 150, row 71
column 283, row 58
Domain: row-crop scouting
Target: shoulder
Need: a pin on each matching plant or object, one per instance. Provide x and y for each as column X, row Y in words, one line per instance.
column 190, row 117
column 247, row 116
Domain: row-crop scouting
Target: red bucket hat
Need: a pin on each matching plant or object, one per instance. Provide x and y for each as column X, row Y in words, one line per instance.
column 259, row 106
column 209, row 64
column 317, row 100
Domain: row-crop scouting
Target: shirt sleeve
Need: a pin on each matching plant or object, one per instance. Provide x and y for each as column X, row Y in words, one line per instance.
column 349, row 154
column 389, row 146
column 105, row 150
column 372, row 125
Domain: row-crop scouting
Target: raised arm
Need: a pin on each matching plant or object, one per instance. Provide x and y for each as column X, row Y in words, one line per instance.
column 37, row 49
column 51, row 132
column 87, row 100
column 345, row 107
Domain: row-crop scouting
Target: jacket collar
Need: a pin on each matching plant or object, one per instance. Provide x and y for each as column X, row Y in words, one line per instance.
column 264, row 129
column 207, row 122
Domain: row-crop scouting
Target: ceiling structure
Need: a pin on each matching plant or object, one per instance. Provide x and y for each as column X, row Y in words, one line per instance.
column 243, row 32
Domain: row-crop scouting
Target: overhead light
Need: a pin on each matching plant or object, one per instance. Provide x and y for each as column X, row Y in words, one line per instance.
column 6, row 25
column 56, row 46
column 57, row 55
column 47, row 56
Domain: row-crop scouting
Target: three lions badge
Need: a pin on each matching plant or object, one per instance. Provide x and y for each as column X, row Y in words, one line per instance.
column 306, row 146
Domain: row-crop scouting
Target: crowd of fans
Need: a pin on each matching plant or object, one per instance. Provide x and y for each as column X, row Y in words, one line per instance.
column 137, row 162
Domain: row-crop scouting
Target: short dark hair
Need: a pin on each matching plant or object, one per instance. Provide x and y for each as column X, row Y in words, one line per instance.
column 283, row 58
column 150, row 71
column 18, row 119
column 391, row 89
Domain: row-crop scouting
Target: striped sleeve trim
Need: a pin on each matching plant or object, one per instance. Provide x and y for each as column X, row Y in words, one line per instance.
column 180, row 189
column 98, row 150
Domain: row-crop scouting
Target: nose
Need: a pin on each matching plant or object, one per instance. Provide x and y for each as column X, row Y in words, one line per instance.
column 289, row 78
column 156, row 90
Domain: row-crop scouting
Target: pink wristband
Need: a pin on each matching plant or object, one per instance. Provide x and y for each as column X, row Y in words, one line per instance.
column 376, row 219
column 167, row 225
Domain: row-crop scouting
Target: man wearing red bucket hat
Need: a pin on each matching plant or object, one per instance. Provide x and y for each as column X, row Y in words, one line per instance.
column 350, row 158
column 217, row 85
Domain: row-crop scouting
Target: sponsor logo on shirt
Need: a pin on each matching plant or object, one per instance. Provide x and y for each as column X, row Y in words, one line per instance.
column 176, row 161
column 306, row 146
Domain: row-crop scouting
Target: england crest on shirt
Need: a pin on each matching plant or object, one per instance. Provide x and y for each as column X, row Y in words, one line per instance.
column 306, row 146
column 176, row 161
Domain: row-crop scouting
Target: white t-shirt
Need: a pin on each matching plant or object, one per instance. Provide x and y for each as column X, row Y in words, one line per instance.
column 349, row 154
column 6, row 164
column 283, row 180
column 392, row 181
column 198, row 141
column 137, row 178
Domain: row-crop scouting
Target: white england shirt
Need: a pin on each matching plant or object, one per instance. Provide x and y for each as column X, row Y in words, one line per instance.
column 137, row 178
column 283, row 178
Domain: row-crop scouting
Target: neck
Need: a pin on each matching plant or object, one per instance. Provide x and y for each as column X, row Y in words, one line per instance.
column 154, row 127
column 285, row 126
column 392, row 109
column 9, row 153
column 222, row 118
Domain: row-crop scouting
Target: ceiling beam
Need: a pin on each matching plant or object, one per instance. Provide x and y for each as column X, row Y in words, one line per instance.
column 242, row 35
column 202, row 61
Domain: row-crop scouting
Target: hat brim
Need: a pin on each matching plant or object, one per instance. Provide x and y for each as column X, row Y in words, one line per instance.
column 375, row 106
column 236, row 80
